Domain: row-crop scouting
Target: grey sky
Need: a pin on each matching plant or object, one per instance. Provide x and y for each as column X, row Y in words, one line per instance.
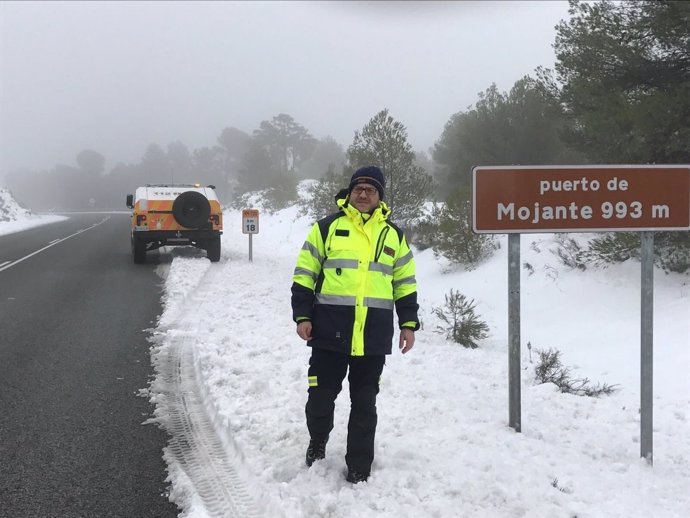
column 117, row 76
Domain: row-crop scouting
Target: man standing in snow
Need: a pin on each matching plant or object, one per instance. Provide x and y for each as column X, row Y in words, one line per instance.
column 354, row 268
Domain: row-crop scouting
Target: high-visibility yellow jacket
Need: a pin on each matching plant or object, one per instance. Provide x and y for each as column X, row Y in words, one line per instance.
column 352, row 270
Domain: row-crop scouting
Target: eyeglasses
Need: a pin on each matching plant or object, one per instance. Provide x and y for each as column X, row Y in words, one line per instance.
column 370, row 191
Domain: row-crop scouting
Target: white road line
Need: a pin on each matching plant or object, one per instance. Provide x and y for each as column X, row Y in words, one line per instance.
column 5, row 266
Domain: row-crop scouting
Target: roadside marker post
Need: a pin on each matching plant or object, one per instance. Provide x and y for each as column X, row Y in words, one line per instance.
column 250, row 225
column 598, row 198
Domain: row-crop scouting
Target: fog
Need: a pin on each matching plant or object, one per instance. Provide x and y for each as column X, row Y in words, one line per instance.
column 115, row 77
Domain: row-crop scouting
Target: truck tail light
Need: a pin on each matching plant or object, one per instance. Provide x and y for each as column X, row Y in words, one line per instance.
column 140, row 218
column 215, row 219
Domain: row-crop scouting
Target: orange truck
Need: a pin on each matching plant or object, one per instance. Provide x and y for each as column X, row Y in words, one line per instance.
column 175, row 215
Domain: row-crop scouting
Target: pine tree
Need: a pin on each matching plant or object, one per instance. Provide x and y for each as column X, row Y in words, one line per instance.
column 383, row 142
column 454, row 237
column 624, row 71
column 319, row 201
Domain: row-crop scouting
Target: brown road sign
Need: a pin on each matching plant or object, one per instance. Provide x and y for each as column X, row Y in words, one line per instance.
column 599, row 198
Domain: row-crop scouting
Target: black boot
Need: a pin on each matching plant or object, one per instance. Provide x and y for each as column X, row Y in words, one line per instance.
column 316, row 451
column 356, row 477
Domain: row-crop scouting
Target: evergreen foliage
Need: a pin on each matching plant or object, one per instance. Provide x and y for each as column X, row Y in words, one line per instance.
column 460, row 323
column 519, row 127
column 276, row 149
column 281, row 192
column 608, row 248
column 550, row 369
column 671, row 250
column 569, row 252
column 623, row 80
column 319, row 200
column 625, row 74
column 257, row 169
column 612, row 248
column 286, row 143
column 455, row 239
column 223, row 162
column 383, row 142
column 328, row 154
column 424, row 233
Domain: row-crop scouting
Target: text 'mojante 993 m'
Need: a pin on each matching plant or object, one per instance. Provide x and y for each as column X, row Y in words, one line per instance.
column 527, row 199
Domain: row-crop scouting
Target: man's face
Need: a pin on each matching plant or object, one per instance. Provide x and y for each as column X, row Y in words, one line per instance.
column 364, row 197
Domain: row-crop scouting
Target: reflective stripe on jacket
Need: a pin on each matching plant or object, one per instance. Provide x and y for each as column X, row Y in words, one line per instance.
column 350, row 275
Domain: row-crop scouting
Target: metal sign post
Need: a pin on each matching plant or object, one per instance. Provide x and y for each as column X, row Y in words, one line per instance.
column 250, row 225
column 647, row 345
column 598, row 198
column 514, row 388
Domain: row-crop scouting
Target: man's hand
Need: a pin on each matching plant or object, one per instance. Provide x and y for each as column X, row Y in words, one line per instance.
column 406, row 339
column 304, row 330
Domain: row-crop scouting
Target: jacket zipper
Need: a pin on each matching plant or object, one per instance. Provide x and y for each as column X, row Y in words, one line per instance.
column 380, row 242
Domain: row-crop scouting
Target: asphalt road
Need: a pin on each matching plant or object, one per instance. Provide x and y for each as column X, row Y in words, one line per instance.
column 73, row 359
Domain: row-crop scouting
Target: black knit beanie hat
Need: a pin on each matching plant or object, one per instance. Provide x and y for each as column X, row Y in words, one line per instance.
column 371, row 175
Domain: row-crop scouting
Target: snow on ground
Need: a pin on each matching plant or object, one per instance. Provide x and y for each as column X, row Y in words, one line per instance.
column 14, row 218
column 443, row 447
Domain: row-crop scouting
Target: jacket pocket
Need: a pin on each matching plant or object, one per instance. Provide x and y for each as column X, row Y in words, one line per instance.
column 378, row 330
column 333, row 323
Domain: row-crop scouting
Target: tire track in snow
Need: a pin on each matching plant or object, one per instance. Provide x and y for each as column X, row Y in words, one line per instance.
column 211, row 464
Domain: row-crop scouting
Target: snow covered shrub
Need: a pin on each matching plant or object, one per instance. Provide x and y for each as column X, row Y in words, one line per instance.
column 459, row 321
column 240, row 201
column 10, row 210
column 613, row 248
column 424, row 233
column 671, row 250
column 281, row 193
column 319, row 199
column 455, row 240
column 569, row 252
column 554, row 483
column 549, row 369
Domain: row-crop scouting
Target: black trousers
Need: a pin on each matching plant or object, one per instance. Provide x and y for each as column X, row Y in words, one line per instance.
column 327, row 371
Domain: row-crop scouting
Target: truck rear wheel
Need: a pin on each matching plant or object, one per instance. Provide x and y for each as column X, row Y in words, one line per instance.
column 213, row 249
column 138, row 251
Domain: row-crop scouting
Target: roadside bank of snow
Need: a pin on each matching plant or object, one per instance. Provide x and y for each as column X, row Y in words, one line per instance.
column 15, row 218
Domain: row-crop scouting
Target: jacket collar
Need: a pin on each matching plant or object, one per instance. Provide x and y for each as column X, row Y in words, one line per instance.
column 381, row 212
